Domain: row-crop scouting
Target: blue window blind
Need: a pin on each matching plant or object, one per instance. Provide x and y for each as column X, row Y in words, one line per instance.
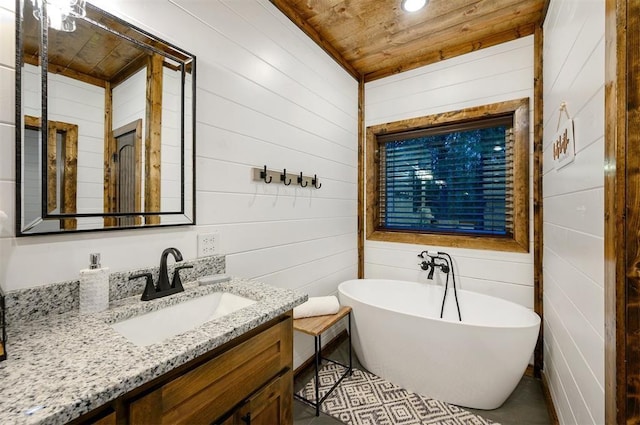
column 455, row 179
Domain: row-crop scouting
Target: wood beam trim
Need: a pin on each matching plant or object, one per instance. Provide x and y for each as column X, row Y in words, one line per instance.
column 301, row 23
column 538, row 222
column 109, row 200
column 615, row 205
column 551, row 408
column 129, row 70
column 361, row 177
column 62, row 70
column 631, row 211
column 153, row 136
column 545, row 10
column 70, row 73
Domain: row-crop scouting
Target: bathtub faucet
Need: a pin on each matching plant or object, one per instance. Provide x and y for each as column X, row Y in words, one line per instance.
column 446, row 266
column 430, row 263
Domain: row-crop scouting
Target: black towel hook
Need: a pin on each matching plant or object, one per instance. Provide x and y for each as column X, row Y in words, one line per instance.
column 314, row 182
column 283, row 178
column 300, row 181
column 263, row 175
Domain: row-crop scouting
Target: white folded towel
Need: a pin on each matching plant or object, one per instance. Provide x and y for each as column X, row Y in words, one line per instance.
column 317, row 306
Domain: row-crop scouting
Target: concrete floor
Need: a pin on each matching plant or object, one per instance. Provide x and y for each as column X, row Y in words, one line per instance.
column 526, row 406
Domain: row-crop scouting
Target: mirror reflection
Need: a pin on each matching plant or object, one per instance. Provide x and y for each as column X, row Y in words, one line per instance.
column 107, row 123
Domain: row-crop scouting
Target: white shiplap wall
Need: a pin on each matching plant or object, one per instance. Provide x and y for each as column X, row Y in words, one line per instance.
column 495, row 74
column 79, row 103
column 266, row 94
column 75, row 102
column 574, row 212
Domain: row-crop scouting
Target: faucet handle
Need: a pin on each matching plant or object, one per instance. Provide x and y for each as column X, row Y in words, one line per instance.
column 176, row 282
column 149, row 287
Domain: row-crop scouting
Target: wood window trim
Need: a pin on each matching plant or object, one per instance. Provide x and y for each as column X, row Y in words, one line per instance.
column 70, row 157
column 520, row 240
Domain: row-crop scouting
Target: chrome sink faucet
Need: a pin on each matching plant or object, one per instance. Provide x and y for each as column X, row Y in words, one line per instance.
column 163, row 288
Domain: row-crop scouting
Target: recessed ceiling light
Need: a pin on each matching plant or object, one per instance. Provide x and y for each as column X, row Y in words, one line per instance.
column 413, row 5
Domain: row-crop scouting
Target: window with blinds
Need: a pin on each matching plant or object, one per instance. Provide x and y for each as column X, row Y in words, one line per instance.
column 454, row 179
column 457, row 178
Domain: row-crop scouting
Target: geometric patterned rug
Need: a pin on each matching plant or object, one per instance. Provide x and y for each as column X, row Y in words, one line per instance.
column 366, row 399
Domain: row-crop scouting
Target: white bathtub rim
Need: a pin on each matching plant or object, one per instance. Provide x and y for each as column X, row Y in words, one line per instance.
column 535, row 317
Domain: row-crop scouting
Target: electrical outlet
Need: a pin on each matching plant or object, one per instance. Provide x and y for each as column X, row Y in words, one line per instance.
column 208, row 244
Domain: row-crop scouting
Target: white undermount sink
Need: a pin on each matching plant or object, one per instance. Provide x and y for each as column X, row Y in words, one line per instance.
column 156, row 326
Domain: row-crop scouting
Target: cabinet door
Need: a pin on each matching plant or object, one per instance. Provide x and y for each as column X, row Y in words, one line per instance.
column 270, row 405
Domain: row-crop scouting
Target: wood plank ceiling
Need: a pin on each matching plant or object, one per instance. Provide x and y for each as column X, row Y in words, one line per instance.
column 91, row 53
column 377, row 38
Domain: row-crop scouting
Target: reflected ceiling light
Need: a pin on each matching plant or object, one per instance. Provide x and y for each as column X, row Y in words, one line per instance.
column 413, row 5
column 61, row 14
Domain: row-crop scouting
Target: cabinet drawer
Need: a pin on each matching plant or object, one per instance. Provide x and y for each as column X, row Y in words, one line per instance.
column 208, row 391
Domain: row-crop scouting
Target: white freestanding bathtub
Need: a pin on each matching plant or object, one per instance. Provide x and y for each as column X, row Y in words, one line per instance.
column 398, row 335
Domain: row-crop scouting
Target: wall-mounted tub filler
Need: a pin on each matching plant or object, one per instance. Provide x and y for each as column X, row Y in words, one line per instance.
column 442, row 260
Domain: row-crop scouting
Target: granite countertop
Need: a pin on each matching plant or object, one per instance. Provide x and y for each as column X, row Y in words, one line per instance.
column 62, row 366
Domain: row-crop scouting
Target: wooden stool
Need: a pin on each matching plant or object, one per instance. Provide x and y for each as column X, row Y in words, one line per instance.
column 316, row 326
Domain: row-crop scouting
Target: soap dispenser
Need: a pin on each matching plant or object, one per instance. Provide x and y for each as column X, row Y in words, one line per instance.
column 94, row 286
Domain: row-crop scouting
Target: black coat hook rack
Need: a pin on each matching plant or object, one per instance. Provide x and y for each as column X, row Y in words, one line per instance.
column 285, row 177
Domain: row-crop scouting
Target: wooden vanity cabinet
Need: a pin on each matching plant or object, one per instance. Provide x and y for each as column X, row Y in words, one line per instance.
column 247, row 381
column 269, row 405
